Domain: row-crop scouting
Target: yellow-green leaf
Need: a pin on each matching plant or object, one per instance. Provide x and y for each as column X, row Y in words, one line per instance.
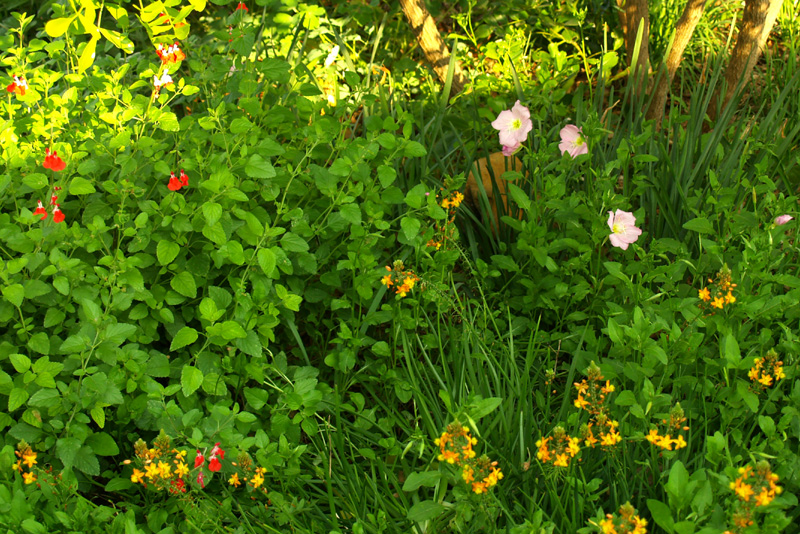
column 87, row 56
column 58, row 27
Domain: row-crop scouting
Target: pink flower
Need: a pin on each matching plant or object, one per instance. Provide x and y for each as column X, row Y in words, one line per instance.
column 623, row 229
column 201, row 479
column 783, row 219
column 510, row 150
column 514, row 125
column 572, row 141
column 217, row 451
column 199, row 460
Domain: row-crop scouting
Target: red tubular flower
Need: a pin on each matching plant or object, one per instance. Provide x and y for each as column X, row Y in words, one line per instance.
column 174, row 185
column 52, row 161
column 58, row 215
column 217, row 451
column 18, row 86
column 199, row 460
column 241, row 6
column 201, row 479
column 40, row 211
column 185, row 181
column 214, row 465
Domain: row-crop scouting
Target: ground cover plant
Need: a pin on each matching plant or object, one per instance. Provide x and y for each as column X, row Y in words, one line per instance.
column 264, row 272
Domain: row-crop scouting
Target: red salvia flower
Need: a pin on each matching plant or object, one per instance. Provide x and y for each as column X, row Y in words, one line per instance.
column 40, row 211
column 185, row 181
column 214, row 465
column 18, row 86
column 174, row 183
column 199, row 460
column 52, row 161
column 201, row 479
column 58, row 215
column 241, row 6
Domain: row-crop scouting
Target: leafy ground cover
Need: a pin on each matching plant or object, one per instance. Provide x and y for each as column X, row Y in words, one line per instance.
column 254, row 279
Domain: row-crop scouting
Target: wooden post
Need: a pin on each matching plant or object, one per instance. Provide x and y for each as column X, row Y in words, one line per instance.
column 431, row 41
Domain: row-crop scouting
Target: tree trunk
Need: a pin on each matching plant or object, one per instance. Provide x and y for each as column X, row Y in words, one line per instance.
column 683, row 34
column 637, row 14
column 431, row 41
column 757, row 22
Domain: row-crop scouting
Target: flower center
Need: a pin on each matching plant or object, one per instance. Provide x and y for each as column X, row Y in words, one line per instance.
column 618, row 228
column 516, row 124
column 579, row 141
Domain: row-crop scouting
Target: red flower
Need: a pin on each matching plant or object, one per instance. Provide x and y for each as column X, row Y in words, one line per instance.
column 171, row 54
column 174, row 183
column 185, row 181
column 52, row 161
column 199, row 460
column 40, row 211
column 214, row 465
column 241, row 6
column 201, row 479
column 218, row 451
column 18, row 86
column 58, row 215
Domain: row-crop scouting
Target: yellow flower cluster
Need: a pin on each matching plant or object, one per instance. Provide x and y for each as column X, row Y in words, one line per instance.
column 25, row 458
column 252, row 476
column 164, row 467
column 753, row 488
column 447, row 231
column 455, row 447
column 402, row 280
column 624, row 522
column 592, row 396
column 559, row 449
column 767, row 370
column 722, row 294
column 674, row 425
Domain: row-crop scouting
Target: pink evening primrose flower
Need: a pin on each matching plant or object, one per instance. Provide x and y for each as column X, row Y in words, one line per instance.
column 514, row 125
column 510, row 150
column 572, row 141
column 623, row 229
column 783, row 219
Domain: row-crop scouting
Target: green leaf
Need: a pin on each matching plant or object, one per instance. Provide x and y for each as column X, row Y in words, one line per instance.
column 58, row 27
column 228, row 330
column 185, row 336
column 351, row 213
column 732, row 353
column 40, row 343
column 484, row 407
column 102, row 444
column 267, row 261
column 184, row 284
column 678, row 479
column 625, row 398
column 66, row 450
column 414, row 150
column 212, row 212
column 519, row 196
column 410, row 227
column 81, row 186
column 17, row 398
column 701, row 225
column 14, row 294
column 91, row 310
column 191, row 379
column 291, row 242
column 20, row 362
column 258, row 167
column 35, row 180
column 386, row 175
column 428, row 479
column 661, row 515
column 87, row 462
column 87, row 56
column 98, row 415
column 166, row 251
column 425, row 511
column 240, row 125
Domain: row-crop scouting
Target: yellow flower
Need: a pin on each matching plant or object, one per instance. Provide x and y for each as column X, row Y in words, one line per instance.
column 778, row 370
column 766, row 379
column 387, row 280
column 478, row 487
column 764, row 498
column 468, row 474
column 729, row 298
column 29, row 459
column 665, row 442
column 679, row 442
column 17, row 466
column 234, row 480
column 608, row 388
column 137, row 476
column 151, row 471
column 257, row 480
column 753, row 374
column 164, row 469
column 704, row 294
column 561, row 460
column 718, row 302
column 653, row 436
column 573, row 448
column 610, row 439
column 608, row 526
column 29, row 478
column 181, row 470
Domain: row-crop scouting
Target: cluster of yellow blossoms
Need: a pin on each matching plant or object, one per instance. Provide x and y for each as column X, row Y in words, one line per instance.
column 252, row 476
column 722, row 294
column 753, row 488
column 164, row 467
column 26, row 458
column 562, row 449
column 455, row 447
column 674, row 425
column 446, row 232
column 402, row 280
column 624, row 522
column 767, row 370
column 592, row 396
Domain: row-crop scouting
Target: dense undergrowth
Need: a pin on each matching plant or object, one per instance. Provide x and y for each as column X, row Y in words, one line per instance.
column 245, row 287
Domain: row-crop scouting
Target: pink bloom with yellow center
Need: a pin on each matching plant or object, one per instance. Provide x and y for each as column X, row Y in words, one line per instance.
column 572, row 141
column 623, row 229
column 514, row 126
